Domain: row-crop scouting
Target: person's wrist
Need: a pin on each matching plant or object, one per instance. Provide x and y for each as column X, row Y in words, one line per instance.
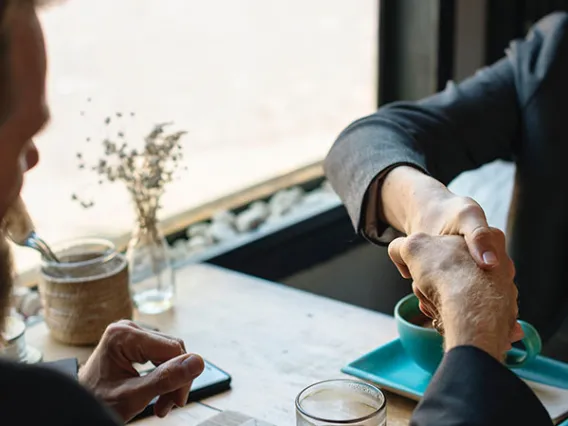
column 406, row 193
column 425, row 209
column 484, row 342
column 473, row 326
column 86, row 379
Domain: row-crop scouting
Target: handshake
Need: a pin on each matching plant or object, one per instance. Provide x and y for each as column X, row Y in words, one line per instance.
column 470, row 305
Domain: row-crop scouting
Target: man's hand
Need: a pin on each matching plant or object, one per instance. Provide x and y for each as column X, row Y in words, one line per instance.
column 109, row 373
column 414, row 202
column 477, row 307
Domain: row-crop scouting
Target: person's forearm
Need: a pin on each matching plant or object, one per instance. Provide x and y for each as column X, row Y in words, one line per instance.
column 469, row 335
column 465, row 323
column 404, row 193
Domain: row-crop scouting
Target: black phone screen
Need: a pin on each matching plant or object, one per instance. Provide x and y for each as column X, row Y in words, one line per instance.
column 211, row 382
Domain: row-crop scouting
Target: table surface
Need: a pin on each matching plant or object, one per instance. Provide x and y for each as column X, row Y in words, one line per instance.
column 274, row 341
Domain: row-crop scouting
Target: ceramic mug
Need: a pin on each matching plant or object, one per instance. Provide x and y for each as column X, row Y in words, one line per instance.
column 425, row 345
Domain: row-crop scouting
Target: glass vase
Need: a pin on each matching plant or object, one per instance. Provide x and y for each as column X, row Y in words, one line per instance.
column 152, row 279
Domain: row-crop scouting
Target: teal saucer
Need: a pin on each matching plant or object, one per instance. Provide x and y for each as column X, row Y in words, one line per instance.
column 390, row 367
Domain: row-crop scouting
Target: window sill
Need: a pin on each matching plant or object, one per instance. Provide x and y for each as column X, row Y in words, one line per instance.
column 308, row 177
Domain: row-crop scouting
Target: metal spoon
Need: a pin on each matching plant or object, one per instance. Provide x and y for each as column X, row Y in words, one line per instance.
column 19, row 227
column 35, row 242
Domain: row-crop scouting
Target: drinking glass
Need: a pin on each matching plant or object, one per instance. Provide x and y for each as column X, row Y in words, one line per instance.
column 341, row 402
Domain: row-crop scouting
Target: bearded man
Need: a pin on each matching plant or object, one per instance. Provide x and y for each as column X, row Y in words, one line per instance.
column 108, row 390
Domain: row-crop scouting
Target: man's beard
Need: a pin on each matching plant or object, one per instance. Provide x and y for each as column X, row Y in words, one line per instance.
column 6, row 279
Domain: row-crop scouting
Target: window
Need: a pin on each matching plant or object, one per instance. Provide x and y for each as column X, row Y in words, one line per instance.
column 262, row 86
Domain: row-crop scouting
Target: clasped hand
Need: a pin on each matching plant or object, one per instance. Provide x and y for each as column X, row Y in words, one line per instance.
column 477, row 307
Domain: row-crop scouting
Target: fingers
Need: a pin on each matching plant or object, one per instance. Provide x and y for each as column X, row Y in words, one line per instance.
column 166, row 402
column 517, row 333
column 425, row 305
column 167, row 378
column 395, row 249
column 478, row 236
column 408, row 252
column 163, row 406
column 178, row 397
column 142, row 345
column 139, row 345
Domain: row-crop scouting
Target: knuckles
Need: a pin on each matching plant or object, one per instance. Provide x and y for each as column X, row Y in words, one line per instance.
column 116, row 330
column 178, row 346
column 118, row 333
column 127, row 323
column 414, row 244
column 468, row 208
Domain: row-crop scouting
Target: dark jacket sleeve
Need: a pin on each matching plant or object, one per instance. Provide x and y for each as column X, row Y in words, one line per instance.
column 36, row 395
column 463, row 127
column 471, row 388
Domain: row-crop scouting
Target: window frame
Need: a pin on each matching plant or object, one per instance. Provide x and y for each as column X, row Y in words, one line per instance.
column 406, row 31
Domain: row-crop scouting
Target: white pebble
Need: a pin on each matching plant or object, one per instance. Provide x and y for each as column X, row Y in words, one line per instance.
column 197, row 229
column 180, row 243
column 223, row 216
column 198, row 243
column 252, row 217
column 179, row 250
column 221, row 231
column 283, row 200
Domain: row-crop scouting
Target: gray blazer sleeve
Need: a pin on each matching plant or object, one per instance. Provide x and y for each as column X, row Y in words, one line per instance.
column 465, row 126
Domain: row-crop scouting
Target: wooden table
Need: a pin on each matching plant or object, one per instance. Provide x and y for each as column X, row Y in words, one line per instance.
column 272, row 339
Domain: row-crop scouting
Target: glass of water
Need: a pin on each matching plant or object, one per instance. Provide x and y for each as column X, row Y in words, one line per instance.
column 341, row 402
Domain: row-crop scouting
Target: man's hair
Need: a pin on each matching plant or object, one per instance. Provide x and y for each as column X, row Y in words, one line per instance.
column 34, row 2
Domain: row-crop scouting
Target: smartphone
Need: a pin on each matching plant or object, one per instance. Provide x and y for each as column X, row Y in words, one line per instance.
column 211, row 382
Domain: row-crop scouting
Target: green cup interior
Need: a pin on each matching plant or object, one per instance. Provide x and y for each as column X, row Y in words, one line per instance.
column 408, row 308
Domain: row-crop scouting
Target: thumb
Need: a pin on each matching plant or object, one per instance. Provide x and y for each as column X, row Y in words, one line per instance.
column 479, row 238
column 517, row 333
column 170, row 376
column 395, row 253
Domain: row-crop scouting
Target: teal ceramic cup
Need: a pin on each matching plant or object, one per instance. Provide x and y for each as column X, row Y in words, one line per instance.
column 425, row 345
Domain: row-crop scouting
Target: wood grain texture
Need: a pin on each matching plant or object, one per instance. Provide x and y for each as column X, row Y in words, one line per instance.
column 272, row 339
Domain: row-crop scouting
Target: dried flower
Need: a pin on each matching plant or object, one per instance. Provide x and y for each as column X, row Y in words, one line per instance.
column 145, row 172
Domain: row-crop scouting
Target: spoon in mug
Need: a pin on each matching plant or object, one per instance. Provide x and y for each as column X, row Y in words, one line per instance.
column 19, row 227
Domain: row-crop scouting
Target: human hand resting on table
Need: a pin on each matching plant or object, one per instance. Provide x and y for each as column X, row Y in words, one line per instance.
column 109, row 373
column 476, row 307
